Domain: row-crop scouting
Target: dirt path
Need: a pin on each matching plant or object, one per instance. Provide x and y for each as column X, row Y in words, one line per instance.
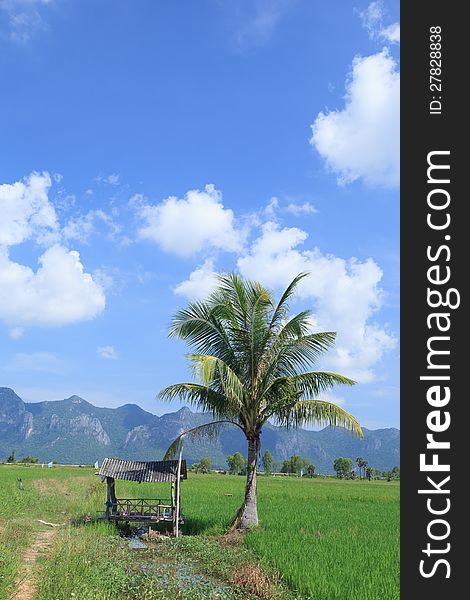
column 26, row 583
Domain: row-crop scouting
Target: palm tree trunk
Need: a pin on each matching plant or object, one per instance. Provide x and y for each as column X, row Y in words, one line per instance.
column 247, row 516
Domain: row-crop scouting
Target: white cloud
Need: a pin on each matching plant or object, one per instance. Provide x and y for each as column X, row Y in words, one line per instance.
column 23, row 18
column 346, row 295
column 26, row 211
column 200, row 284
column 113, row 179
column 272, row 207
column 391, row 33
column 363, row 139
column 81, row 227
column 301, row 209
column 188, row 225
column 107, row 352
column 58, row 293
column 373, row 22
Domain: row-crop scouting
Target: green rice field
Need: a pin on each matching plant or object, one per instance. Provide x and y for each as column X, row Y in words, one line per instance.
column 320, row 539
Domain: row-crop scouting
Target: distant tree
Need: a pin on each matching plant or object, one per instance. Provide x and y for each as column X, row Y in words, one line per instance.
column 342, row 466
column 310, row 470
column 393, row 474
column 277, row 466
column 205, row 464
column 12, row 457
column 361, row 465
column 296, row 465
column 237, row 464
column 369, row 473
column 286, row 466
column 267, row 461
column 30, row 459
column 195, row 467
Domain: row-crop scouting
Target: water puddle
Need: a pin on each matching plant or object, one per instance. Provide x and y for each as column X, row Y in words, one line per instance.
column 134, row 542
column 159, row 563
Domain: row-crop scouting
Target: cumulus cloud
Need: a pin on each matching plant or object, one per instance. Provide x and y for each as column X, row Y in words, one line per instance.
column 373, row 18
column 185, row 226
column 346, row 295
column 200, row 283
column 26, row 211
column 58, row 293
column 391, row 33
column 363, row 139
column 107, row 352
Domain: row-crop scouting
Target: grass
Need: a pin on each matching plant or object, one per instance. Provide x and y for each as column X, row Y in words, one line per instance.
column 319, row 539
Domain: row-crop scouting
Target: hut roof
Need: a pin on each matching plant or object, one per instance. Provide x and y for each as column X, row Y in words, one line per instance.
column 149, row 472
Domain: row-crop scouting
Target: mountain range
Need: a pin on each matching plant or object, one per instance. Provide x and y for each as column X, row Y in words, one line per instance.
column 76, row 432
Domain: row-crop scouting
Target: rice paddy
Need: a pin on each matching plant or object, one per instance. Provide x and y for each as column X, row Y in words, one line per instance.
column 319, row 539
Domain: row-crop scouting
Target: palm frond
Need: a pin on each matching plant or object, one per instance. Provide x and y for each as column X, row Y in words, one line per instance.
column 282, row 308
column 206, row 431
column 213, row 371
column 319, row 412
column 201, row 327
column 316, row 382
column 198, row 395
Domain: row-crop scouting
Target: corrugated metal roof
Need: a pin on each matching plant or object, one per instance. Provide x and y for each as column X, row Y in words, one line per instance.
column 150, row 472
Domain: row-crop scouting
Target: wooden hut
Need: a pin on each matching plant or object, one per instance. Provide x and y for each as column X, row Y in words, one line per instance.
column 146, row 510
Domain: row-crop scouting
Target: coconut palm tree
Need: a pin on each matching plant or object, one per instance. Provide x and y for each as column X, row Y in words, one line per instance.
column 252, row 363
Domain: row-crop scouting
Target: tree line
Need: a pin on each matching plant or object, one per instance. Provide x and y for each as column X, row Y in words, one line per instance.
column 344, row 470
column 297, row 465
column 11, row 459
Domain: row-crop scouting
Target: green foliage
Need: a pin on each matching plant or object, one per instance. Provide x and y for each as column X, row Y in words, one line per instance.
column 297, row 465
column 237, row 464
column 267, row 461
column 343, row 466
column 12, row 457
column 393, row 474
column 203, row 466
column 362, row 466
column 30, row 459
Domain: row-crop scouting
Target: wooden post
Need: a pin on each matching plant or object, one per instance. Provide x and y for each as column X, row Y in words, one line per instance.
column 178, row 481
column 111, row 501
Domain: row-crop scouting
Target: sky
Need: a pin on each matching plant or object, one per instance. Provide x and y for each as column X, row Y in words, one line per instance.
column 147, row 146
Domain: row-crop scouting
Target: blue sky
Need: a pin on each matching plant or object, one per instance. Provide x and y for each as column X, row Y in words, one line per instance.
column 147, row 146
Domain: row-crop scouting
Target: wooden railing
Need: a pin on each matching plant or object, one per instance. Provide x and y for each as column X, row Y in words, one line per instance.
column 150, row 508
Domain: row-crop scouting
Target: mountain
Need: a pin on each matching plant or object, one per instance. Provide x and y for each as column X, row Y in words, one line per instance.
column 74, row 431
